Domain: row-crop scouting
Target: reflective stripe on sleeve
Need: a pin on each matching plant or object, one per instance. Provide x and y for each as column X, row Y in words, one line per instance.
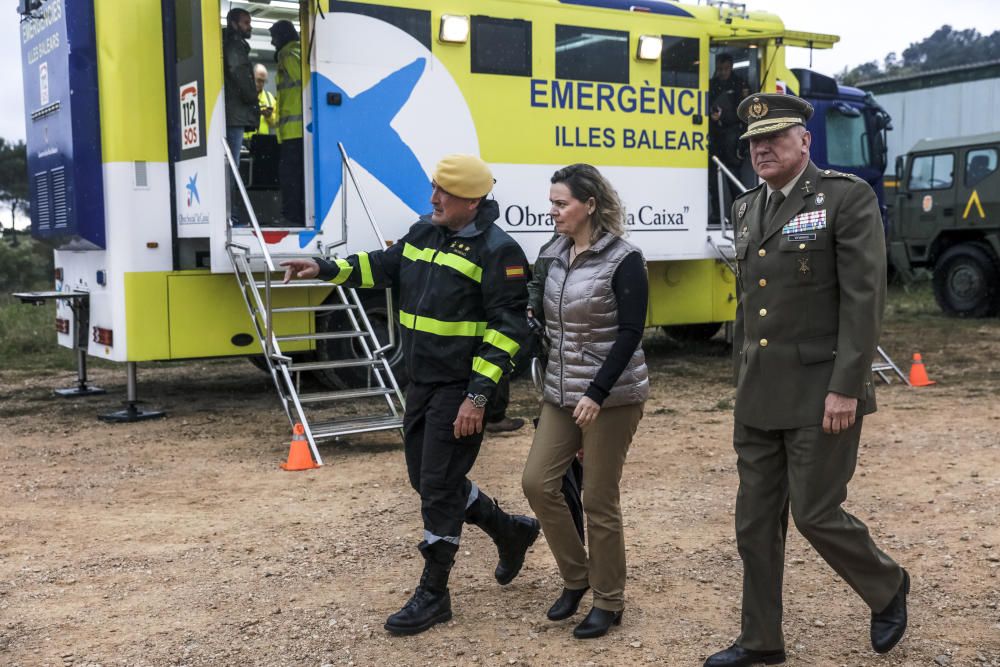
column 487, row 369
column 366, row 270
column 344, row 273
column 497, row 339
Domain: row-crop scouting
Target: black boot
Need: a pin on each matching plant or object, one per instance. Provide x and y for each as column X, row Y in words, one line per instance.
column 430, row 603
column 597, row 623
column 512, row 533
column 567, row 604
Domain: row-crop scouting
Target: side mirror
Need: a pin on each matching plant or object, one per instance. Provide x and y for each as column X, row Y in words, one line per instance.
column 900, row 173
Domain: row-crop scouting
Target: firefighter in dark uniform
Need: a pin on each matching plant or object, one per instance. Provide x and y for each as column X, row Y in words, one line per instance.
column 463, row 295
column 725, row 90
column 811, row 291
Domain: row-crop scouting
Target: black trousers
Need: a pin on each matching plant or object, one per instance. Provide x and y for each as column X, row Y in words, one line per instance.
column 292, row 181
column 437, row 462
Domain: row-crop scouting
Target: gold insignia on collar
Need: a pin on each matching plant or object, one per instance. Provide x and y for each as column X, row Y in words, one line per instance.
column 743, row 209
column 757, row 109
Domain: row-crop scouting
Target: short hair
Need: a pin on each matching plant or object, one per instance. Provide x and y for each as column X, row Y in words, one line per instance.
column 724, row 58
column 260, row 66
column 584, row 182
column 235, row 15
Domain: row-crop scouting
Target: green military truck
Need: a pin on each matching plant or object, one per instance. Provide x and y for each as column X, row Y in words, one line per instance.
column 946, row 219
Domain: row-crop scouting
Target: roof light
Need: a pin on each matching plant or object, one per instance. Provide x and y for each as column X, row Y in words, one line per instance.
column 650, row 47
column 454, row 29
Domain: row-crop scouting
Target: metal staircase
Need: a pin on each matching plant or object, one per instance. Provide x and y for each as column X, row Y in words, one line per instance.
column 255, row 270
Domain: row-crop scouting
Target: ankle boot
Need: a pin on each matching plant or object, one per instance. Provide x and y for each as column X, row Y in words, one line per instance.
column 430, row 603
column 513, row 534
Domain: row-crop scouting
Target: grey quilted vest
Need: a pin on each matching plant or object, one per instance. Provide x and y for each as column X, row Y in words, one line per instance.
column 581, row 320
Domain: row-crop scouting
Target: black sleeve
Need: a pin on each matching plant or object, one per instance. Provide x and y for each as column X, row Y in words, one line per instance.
column 505, row 298
column 631, row 289
column 379, row 268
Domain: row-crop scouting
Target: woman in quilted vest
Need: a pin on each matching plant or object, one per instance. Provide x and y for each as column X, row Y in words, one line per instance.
column 596, row 383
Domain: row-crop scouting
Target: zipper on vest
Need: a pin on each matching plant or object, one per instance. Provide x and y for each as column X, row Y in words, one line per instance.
column 562, row 341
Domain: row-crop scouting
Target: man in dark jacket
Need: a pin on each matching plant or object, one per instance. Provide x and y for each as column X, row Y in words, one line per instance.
column 462, row 302
column 242, row 112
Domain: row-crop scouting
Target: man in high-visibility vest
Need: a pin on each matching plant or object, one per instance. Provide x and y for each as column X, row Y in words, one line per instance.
column 267, row 103
column 285, row 40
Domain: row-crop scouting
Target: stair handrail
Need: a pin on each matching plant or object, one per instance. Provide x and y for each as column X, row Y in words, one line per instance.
column 349, row 172
column 235, row 172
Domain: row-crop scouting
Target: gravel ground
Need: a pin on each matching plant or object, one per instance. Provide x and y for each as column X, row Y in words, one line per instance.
column 180, row 542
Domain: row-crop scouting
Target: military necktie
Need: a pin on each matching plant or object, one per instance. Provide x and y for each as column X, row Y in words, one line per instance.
column 773, row 204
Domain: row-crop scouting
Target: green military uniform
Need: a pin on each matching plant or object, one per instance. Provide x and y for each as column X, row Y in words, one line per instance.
column 811, row 289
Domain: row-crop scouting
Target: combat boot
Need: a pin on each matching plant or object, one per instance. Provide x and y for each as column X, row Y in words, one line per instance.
column 512, row 533
column 430, row 603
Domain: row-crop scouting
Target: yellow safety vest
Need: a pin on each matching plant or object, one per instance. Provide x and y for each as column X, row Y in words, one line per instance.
column 290, row 91
column 264, row 99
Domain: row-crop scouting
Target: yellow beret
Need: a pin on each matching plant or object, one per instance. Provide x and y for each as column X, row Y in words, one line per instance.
column 464, row 176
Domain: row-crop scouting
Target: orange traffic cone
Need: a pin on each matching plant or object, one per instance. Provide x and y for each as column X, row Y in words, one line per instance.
column 299, row 457
column 918, row 374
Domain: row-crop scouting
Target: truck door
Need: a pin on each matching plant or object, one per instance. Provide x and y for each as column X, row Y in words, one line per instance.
column 978, row 200
column 929, row 203
column 195, row 118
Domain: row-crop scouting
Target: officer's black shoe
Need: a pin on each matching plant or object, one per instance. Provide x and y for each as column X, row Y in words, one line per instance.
column 737, row 656
column 567, row 604
column 430, row 603
column 889, row 625
column 597, row 623
column 512, row 533
column 424, row 609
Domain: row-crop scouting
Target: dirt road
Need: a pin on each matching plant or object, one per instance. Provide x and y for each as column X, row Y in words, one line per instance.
column 179, row 542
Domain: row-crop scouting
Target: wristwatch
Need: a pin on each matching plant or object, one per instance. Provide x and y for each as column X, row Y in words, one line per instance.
column 479, row 400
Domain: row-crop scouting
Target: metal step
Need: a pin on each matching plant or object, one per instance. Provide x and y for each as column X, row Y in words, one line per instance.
column 315, row 309
column 342, row 363
column 276, row 283
column 345, row 394
column 330, row 335
column 248, row 230
column 332, row 429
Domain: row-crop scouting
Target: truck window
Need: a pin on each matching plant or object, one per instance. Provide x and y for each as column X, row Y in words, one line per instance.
column 847, row 138
column 415, row 22
column 979, row 164
column 679, row 62
column 591, row 54
column 932, row 172
column 501, row 46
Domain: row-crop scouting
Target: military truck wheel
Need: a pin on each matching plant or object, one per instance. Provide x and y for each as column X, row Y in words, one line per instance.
column 692, row 333
column 966, row 281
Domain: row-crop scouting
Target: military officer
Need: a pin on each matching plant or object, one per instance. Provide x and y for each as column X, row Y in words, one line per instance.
column 811, row 286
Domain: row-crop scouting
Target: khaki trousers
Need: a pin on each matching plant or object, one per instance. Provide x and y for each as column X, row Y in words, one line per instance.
column 605, row 443
column 807, row 470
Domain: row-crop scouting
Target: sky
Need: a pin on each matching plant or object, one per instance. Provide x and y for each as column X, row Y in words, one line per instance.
column 868, row 30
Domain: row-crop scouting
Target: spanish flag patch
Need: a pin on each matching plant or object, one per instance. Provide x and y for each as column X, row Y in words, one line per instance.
column 515, row 272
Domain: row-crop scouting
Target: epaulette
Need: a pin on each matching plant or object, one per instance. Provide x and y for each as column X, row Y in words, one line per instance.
column 832, row 173
column 750, row 191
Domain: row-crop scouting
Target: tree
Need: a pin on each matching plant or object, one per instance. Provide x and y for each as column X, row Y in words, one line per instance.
column 14, row 180
column 945, row 47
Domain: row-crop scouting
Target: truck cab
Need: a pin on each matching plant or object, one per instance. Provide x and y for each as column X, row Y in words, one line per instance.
column 947, row 220
column 849, row 130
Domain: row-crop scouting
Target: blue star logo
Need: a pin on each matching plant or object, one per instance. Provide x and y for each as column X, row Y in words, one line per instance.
column 192, row 188
column 362, row 124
